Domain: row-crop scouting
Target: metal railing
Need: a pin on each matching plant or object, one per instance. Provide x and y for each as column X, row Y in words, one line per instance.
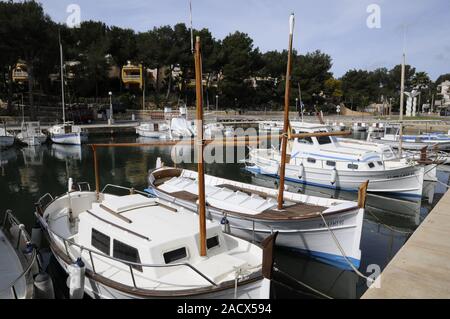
column 69, row 243
column 23, row 238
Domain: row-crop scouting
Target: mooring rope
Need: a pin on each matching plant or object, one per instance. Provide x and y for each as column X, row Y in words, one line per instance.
column 336, row 241
column 300, row 283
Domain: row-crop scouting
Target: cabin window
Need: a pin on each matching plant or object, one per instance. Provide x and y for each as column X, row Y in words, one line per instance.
column 305, row 140
column 212, row 242
column 331, row 163
column 391, row 131
column 371, row 165
column 100, row 241
column 380, row 163
column 352, row 166
column 127, row 253
column 323, row 140
column 175, row 255
column 311, row 160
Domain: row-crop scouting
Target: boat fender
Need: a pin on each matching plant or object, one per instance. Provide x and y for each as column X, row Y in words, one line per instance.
column 225, row 225
column 43, row 286
column 333, row 176
column 158, row 163
column 75, row 281
column 70, row 185
column 301, row 171
column 36, row 236
column 28, row 252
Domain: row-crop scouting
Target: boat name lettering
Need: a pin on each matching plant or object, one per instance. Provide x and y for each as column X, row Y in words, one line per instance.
column 333, row 223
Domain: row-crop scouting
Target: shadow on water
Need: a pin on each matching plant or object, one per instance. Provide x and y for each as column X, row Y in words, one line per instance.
column 27, row 173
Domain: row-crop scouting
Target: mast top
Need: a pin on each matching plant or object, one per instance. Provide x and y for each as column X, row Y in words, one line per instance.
column 291, row 23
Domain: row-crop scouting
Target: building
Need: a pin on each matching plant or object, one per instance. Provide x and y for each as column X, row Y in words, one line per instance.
column 443, row 95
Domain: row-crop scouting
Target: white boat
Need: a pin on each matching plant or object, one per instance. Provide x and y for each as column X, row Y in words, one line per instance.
column 31, row 134
column 134, row 246
column 376, row 128
column 6, row 138
column 387, row 153
column 338, row 126
column 359, row 127
column 212, row 130
column 67, row 133
column 181, row 128
column 154, row 130
column 18, row 260
column 275, row 126
column 251, row 212
column 323, row 161
column 412, row 142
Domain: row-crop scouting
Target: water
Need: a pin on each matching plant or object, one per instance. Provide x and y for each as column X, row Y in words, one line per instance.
column 27, row 173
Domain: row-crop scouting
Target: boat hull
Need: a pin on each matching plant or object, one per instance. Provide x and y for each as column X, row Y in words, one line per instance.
column 404, row 181
column 152, row 134
column 6, row 141
column 259, row 289
column 70, row 138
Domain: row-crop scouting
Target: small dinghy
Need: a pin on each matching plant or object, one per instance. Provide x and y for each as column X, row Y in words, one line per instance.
column 304, row 224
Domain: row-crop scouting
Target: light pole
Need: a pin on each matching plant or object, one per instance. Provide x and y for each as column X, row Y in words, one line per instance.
column 217, row 103
column 296, row 105
column 111, row 120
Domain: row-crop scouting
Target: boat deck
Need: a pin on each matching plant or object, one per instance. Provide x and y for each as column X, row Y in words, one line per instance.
column 290, row 210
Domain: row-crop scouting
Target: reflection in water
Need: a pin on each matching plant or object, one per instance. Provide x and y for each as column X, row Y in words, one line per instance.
column 66, row 152
column 387, row 223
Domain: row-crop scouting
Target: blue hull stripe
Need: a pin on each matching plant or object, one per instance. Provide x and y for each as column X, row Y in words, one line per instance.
column 334, row 260
column 298, row 181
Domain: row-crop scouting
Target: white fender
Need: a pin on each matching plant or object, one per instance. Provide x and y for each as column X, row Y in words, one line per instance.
column 301, row 171
column 333, row 176
column 75, row 281
column 158, row 163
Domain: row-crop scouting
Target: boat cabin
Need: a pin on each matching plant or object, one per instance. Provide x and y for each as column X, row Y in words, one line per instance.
column 142, row 230
column 328, row 152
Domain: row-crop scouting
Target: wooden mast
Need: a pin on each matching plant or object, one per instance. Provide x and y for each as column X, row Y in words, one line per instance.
column 284, row 138
column 199, row 142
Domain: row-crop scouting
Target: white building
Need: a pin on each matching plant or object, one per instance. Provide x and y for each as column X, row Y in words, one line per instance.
column 444, row 94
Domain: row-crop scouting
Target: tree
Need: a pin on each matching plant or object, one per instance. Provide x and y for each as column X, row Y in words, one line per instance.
column 27, row 33
column 92, row 46
column 311, row 71
column 241, row 61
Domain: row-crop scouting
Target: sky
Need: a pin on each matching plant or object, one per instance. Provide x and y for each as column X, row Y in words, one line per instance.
column 336, row 27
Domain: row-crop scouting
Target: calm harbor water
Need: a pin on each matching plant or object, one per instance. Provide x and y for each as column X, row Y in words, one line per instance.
column 27, row 173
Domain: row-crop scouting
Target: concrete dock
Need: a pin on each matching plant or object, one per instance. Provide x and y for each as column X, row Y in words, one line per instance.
column 421, row 268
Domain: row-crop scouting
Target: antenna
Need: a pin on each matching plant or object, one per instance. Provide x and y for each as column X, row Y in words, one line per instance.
column 192, row 32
